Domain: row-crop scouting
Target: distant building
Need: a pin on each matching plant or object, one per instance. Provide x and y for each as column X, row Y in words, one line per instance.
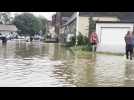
column 51, row 29
column 59, row 20
column 8, row 30
column 54, row 19
column 68, row 29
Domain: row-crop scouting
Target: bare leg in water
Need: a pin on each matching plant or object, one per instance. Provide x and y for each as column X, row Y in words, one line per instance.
column 131, row 54
column 93, row 50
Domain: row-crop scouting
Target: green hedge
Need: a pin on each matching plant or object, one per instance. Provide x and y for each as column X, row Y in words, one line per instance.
column 83, row 42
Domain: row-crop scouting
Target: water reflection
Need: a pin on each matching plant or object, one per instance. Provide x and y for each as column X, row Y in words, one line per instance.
column 44, row 64
column 79, row 71
column 83, row 72
column 4, row 51
column 32, row 64
column 109, row 70
column 27, row 50
column 61, row 53
column 129, row 81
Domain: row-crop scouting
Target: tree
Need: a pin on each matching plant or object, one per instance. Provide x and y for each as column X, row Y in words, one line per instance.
column 5, row 18
column 27, row 24
column 43, row 24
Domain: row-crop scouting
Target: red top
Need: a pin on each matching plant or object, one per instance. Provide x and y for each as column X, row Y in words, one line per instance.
column 94, row 38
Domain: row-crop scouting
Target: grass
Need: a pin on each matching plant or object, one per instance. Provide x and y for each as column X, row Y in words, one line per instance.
column 108, row 53
column 82, row 51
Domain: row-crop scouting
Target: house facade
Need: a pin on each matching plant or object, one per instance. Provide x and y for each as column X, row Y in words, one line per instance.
column 79, row 23
column 51, row 29
column 59, row 20
column 84, row 23
column 111, row 36
column 69, row 28
column 111, row 28
column 8, row 30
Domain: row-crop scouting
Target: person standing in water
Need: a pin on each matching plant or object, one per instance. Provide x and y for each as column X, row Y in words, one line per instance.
column 129, row 45
column 31, row 38
column 133, row 42
column 4, row 40
column 94, row 41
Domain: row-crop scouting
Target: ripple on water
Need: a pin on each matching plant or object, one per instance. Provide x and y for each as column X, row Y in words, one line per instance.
column 34, row 64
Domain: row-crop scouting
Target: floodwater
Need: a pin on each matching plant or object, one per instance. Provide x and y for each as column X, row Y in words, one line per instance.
column 39, row 64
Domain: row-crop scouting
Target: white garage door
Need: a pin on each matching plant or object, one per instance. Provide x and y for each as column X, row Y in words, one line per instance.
column 112, row 39
column 113, row 35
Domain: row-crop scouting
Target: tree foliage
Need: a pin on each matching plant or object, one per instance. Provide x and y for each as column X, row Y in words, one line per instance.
column 82, row 40
column 43, row 24
column 27, row 24
column 5, row 18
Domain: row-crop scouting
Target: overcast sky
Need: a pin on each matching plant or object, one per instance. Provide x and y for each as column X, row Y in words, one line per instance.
column 47, row 15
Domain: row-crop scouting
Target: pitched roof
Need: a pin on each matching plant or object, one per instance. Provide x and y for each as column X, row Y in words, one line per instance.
column 123, row 16
column 96, row 14
column 66, row 14
column 10, row 28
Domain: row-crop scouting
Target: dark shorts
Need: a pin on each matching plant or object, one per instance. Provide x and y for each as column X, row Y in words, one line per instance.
column 129, row 47
column 93, row 43
column 133, row 45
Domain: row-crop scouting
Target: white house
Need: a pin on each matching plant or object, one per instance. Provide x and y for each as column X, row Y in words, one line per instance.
column 8, row 30
column 70, row 27
column 111, row 36
column 84, row 22
column 111, row 28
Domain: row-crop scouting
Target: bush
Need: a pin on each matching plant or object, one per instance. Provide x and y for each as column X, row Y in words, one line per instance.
column 83, row 42
column 72, row 41
column 86, row 48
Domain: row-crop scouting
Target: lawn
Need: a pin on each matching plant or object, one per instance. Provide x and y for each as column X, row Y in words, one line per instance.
column 82, row 51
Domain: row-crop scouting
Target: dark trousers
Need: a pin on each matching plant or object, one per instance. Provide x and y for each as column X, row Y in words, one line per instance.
column 129, row 51
column 4, row 40
column 94, row 47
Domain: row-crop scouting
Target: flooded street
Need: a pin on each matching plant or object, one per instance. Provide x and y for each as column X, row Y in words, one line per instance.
column 41, row 64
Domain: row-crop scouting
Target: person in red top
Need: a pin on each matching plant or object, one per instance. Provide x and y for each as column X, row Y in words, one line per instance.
column 94, row 41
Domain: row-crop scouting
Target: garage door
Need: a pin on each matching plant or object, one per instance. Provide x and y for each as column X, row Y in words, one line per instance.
column 113, row 35
column 112, row 39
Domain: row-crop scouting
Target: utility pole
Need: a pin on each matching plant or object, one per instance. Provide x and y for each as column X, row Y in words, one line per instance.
column 77, row 27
